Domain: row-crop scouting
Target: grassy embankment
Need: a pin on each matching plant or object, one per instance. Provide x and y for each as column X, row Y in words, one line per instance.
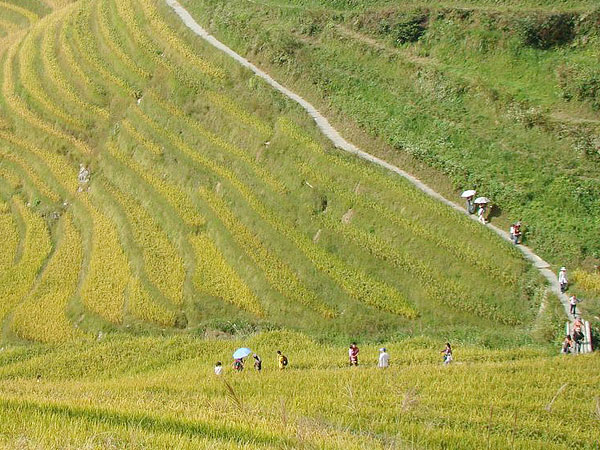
column 501, row 96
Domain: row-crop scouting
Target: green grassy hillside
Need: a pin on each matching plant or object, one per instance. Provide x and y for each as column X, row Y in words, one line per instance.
column 503, row 96
column 214, row 204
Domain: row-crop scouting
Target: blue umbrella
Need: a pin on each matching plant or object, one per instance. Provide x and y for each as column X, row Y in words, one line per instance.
column 241, row 353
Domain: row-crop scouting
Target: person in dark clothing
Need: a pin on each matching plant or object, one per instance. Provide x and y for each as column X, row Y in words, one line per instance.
column 257, row 362
column 578, row 338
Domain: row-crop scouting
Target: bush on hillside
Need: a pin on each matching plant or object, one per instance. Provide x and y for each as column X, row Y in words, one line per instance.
column 404, row 27
column 580, row 83
column 410, row 30
column 544, row 32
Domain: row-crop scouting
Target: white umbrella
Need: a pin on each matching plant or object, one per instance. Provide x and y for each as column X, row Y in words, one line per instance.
column 482, row 200
column 469, row 193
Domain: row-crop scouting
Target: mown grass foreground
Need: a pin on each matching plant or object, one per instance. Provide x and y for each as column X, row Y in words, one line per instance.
column 162, row 393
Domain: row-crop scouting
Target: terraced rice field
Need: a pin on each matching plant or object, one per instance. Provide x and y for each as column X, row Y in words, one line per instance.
column 162, row 393
column 217, row 216
column 212, row 198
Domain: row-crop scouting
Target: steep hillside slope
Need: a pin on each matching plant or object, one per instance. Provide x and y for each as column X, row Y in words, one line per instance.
column 213, row 203
column 498, row 95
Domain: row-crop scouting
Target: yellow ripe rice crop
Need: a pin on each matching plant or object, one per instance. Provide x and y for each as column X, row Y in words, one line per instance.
column 39, row 183
column 17, row 280
column 163, row 265
column 49, row 53
column 58, row 165
column 42, row 316
column 169, row 36
column 238, row 113
column 10, row 237
column 103, row 290
column 112, row 42
column 29, row 76
column 17, row 104
column 587, row 281
column 27, row 13
column 279, row 274
column 141, row 304
column 216, row 277
column 176, row 198
column 221, row 143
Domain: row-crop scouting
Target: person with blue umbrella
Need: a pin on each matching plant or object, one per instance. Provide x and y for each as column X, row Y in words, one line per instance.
column 238, row 358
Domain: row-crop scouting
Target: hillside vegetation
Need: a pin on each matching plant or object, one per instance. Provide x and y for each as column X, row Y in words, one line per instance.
column 503, row 96
column 214, row 204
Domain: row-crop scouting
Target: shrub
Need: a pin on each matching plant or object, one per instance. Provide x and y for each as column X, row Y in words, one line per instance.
column 410, row 30
column 580, row 83
column 546, row 32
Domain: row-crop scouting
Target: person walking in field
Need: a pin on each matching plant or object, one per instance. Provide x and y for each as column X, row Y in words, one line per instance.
column 257, row 362
column 282, row 360
column 238, row 365
column 573, row 304
column 447, row 352
column 562, row 279
column 353, row 354
column 384, row 359
column 218, row 368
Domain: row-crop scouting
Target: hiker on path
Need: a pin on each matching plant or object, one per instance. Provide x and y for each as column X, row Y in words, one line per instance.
column 468, row 195
column 447, row 352
column 562, row 279
column 567, row 345
column 578, row 338
column 481, row 213
column 238, row 365
column 257, row 362
column 384, row 359
column 353, row 354
column 573, row 303
column 517, row 232
column 470, row 205
column 282, row 360
column 218, row 368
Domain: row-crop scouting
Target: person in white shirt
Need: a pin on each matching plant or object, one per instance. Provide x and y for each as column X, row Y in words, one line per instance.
column 384, row 358
column 573, row 303
column 218, row 368
column 562, row 279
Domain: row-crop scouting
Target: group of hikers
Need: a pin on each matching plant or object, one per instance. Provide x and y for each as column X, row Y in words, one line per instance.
column 383, row 362
column 481, row 206
column 574, row 341
column 239, row 363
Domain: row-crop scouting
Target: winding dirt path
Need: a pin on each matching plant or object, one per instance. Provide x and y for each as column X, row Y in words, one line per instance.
column 341, row 143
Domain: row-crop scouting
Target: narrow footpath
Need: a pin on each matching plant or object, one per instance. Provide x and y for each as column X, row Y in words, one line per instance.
column 341, row 143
